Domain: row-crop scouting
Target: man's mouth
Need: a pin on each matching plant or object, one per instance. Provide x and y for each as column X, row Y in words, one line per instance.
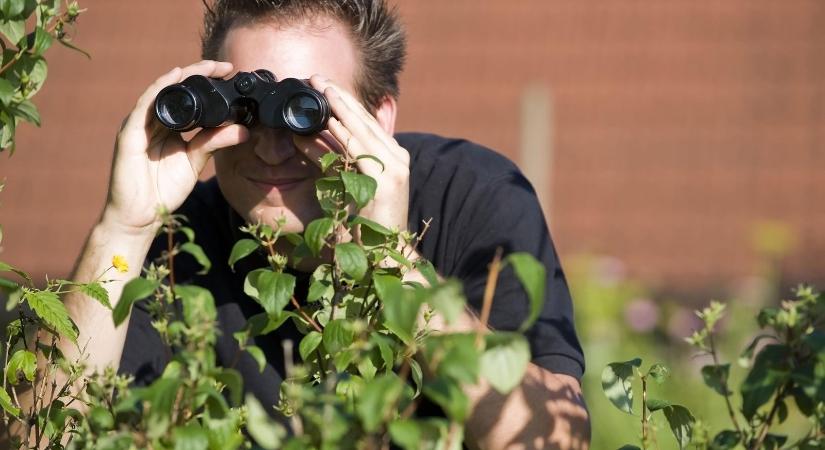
column 277, row 184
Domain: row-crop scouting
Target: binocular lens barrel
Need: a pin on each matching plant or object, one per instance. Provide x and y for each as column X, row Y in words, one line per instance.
column 178, row 108
column 304, row 113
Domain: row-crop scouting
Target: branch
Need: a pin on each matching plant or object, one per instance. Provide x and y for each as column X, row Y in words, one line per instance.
column 489, row 292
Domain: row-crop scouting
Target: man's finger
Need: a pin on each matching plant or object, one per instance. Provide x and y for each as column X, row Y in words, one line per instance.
column 208, row 140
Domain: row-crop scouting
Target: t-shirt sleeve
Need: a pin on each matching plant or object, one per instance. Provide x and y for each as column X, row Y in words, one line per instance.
column 505, row 213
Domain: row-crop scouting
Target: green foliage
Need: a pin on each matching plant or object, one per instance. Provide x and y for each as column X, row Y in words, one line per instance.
column 368, row 355
column 28, row 28
column 789, row 369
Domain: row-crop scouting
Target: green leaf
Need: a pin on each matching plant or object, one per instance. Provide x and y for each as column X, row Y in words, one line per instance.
column 42, row 41
column 617, row 384
column 266, row 432
column 415, row 434
column 681, row 424
column 316, row 234
column 32, row 65
column 258, row 355
column 716, row 377
column 746, row 355
column 160, row 397
column 343, row 359
column 504, row 360
column 276, row 290
column 368, row 370
column 14, row 30
column 338, row 335
column 48, row 307
column 198, row 304
column 190, row 437
column 7, row 405
column 328, row 159
column 12, row 8
column 224, row 433
column 377, row 398
column 360, row 187
column 774, row 441
column 763, row 379
column 263, row 323
column 456, row 356
column 725, row 440
column 8, row 268
column 6, row 92
column 374, row 226
column 400, row 313
column 532, row 275
column 449, row 396
column 629, row 447
column 448, row 300
column 417, row 376
column 197, row 252
column 427, row 270
column 308, row 344
column 22, row 361
column 96, row 291
column 387, row 287
column 659, row 373
column 656, row 404
column 385, row 349
column 240, row 250
column 352, row 260
column 134, row 290
column 329, row 191
column 233, row 381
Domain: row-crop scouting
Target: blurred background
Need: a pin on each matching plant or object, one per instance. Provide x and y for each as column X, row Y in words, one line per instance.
column 678, row 148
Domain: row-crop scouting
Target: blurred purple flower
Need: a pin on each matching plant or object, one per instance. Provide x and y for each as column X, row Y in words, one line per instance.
column 610, row 270
column 641, row 315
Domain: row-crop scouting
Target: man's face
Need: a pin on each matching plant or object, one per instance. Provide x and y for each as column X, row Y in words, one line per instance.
column 268, row 177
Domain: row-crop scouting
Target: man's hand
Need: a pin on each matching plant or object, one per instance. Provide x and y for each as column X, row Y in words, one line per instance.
column 355, row 133
column 155, row 166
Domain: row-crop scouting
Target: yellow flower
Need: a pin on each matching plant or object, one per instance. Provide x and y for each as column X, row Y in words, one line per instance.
column 119, row 263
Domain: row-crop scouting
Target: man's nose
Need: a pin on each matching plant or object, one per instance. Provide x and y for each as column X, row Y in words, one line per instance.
column 272, row 146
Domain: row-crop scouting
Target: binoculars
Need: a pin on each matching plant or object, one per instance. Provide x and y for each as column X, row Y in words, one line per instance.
column 247, row 98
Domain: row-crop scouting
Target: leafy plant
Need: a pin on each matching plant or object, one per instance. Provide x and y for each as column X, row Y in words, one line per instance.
column 23, row 69
column 785, row 365
column 369, row 352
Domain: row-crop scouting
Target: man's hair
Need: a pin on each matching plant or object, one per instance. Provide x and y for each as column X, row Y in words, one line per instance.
column 373, row 26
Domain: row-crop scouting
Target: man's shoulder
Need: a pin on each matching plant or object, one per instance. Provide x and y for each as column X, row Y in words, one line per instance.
column 431, row 152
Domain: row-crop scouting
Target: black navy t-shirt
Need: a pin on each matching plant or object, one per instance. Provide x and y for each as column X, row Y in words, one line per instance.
column 477, row 200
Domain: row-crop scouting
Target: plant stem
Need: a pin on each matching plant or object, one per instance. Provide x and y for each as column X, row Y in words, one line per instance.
column 489, row 292
column 725, row 387
column 644, row 413
column 305, row 316
column 763, row 432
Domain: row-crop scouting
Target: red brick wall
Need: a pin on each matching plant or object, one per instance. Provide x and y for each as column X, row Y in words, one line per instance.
column 676, row 125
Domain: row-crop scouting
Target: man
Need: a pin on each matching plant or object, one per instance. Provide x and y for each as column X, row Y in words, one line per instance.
column 478, row 201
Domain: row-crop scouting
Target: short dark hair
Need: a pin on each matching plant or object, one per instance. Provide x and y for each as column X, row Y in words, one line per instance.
column 374, row 27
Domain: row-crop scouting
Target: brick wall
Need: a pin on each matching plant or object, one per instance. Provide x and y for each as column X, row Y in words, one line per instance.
column 675, row 126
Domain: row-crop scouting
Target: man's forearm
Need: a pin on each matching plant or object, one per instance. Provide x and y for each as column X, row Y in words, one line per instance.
column 103, row 342
column 546, row 410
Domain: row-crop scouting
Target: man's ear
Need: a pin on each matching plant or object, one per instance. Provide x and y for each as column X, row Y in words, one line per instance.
column 385, row 114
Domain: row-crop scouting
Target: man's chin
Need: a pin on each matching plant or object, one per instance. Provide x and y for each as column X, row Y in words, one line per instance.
column 278, row 218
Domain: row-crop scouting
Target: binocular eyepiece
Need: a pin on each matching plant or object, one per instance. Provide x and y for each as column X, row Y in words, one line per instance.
column 247, row 98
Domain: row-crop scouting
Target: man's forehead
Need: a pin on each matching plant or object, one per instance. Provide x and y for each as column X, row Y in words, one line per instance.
column 294, row 49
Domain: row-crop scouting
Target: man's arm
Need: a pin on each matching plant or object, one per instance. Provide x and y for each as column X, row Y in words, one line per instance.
column 546, row 410
column 151, row 167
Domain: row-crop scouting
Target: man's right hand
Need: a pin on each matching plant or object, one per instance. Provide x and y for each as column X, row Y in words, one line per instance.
column 154, row 166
